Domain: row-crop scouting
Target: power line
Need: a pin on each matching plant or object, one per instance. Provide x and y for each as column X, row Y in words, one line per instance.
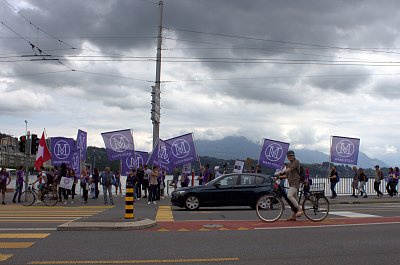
column 280, row 41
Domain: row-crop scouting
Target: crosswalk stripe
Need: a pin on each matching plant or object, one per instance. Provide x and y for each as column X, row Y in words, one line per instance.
column 16, row 244
column 352, row 214
column 4, row 257
column 24, row 235
column 164, row 213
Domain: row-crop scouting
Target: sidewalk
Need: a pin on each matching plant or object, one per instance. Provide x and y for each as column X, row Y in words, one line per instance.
column 347, row 199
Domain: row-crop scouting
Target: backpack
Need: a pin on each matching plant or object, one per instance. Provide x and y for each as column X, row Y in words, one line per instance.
column 337, row 177
column 302, row 174
column 366, row 178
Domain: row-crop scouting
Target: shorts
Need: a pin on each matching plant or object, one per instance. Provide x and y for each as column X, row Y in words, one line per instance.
column 3, row 188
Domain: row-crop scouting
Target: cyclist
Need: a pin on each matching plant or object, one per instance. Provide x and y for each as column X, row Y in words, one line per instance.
column 42, row 179
column 291, row 173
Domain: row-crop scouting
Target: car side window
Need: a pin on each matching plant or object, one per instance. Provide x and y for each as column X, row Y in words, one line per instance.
column 229, row 180
column 247, row 180
column 261, row 180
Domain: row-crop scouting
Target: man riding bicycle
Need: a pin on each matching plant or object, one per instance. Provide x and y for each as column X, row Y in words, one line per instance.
column 292, row 174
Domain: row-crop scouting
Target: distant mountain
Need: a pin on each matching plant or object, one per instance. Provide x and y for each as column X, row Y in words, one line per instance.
column 239, row 147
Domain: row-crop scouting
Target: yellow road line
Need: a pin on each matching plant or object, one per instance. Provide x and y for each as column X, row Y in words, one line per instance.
column 16, row 244
column 22, row 235
column 144, row 261
column 46, row 216
column 4, row 257
column 34, row 220
column 164, row 213
column 48, row 212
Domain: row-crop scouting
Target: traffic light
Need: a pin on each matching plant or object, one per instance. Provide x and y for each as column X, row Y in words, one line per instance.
column 35, row 144
column 22, row 143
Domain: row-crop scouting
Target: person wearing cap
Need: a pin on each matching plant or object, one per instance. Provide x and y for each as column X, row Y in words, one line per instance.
column 293, row 176
column 377, row 182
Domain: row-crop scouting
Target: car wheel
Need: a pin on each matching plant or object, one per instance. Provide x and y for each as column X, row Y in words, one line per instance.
column 192, row 202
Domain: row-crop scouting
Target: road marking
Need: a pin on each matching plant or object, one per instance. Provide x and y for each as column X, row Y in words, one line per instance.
column 16, row 244
column 144, row 261
column 164, row 213
column 20, row 235
column 322, row 226
column 4, row 257
column 352, row 214
column 28, row 229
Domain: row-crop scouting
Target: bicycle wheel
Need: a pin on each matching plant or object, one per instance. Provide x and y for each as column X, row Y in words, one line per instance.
column 50, row 198
column 27, row 198
column 316, row 208
column 269, row 208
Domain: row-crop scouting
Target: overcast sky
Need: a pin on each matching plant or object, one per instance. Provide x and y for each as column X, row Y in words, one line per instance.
column 294, row 71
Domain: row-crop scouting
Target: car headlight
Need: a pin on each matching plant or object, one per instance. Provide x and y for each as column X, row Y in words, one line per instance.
column 179, row 192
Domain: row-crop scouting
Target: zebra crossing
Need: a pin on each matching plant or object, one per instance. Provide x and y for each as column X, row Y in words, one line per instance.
column 11, row 241
column 46, row 214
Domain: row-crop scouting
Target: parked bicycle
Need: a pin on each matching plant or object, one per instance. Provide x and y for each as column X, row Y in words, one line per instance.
column 315, row 205
column 48, row 196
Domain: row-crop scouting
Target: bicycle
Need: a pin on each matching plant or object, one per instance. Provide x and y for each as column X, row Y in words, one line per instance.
column 49, row 196
column 315, row 205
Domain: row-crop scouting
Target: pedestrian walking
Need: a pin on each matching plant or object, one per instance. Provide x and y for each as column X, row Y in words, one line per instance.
column 361, row 183
column 333, row 178
column 69, row 193
column 377, row 181
column 140, row 176
column 146, row 180
column 106, row 180
column 389, row 182
column 395, row 181
column 19, row 184
column 63, row 173
column 354, row 184
column 4, row 176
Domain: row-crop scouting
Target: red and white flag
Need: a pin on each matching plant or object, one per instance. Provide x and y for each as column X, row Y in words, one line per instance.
column 43, row 153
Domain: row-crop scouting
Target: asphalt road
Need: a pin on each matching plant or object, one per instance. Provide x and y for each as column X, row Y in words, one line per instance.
column 353, row 234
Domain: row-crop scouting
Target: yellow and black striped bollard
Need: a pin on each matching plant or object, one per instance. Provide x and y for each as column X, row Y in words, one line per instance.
column 129, row 199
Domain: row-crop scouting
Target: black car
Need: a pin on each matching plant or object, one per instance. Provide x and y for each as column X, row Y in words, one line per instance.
column 235, row 189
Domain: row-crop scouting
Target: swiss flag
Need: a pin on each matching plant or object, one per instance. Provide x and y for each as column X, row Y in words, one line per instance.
column 43, row 153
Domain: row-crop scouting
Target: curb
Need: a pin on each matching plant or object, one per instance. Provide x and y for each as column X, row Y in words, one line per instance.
column 107, row 226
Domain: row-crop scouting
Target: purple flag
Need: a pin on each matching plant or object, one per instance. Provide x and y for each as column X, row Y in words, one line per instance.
column 273, row 153
column 132, row 162
column 61, row 150
column 119, row 144
column 76, row 162
column 344, row 150
column 81, row 143
column 162, row 156
column 183, row 149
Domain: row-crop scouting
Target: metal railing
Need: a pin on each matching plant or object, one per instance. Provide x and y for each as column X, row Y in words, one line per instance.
column 344, row 186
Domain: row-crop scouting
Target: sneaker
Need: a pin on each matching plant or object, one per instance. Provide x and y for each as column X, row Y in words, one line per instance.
column 154, row 202
column 138, row 199
column 38, row 201
column 293, row 218
column 3, row 203
column 162, row 197
column 148, row 202
column 365, row 196
column 65, row 203
column 72, row 201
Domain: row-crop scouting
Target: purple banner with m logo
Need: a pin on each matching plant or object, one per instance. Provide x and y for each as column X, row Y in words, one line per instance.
column 273, row 154
column 119, row 144
column 344, row 150
column 161, row 156
column 132, row 162
column 81, row 143
column 183, row 149
column 61, row 150
column 75, row 162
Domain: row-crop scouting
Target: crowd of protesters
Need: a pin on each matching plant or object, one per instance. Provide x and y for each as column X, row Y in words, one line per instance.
column 150, row 183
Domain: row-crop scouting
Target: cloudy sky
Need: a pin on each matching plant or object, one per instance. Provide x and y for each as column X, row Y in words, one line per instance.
column 295, row 71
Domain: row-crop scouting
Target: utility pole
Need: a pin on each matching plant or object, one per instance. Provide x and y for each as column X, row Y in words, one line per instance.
column 156, row 90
